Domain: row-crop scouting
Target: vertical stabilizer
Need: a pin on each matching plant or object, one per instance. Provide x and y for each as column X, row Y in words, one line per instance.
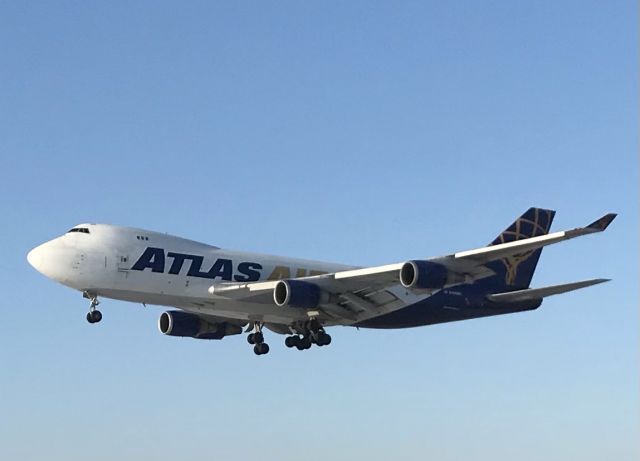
column 516, row 272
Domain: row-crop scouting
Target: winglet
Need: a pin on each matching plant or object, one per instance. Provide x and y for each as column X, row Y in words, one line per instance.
column 601, row 224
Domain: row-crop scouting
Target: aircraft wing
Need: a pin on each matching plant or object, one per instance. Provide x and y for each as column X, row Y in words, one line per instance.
column 352, row 295
column 487, row 254
column 355, row 295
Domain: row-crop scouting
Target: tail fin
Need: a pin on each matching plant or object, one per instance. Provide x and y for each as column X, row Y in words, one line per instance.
column 516, row 272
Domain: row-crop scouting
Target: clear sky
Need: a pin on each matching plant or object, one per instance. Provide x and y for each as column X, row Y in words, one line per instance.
column 356, row 132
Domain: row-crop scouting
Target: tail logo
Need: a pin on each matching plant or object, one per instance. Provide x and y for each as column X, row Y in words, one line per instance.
column 511, row 263
column 529, row 225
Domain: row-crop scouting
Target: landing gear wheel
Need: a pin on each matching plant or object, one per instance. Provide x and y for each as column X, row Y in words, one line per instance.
column 305, row 343
column 257, row 339
column 261, row 349
column 323, row 339
column 94, row 316
column 291, row 341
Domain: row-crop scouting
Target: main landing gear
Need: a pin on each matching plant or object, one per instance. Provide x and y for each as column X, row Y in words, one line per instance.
column 309, row 333
column 257, row 339
column 94, row 315
column 304, row 334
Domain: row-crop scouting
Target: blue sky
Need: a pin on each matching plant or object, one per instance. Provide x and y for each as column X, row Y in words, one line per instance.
column 356, row 132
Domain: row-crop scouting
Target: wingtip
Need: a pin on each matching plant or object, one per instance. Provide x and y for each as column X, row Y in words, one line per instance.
column 603, row 222
column 597, row 281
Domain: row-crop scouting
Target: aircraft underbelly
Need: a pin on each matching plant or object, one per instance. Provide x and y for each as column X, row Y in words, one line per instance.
column 218, row 307
column 441, row 308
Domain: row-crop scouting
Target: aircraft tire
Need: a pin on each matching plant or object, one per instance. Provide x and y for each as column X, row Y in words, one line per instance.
column 94, row 316
column 324, row 339
column 305, row 342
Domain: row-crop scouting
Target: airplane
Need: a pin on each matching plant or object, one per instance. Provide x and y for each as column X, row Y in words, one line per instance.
column 216, row 293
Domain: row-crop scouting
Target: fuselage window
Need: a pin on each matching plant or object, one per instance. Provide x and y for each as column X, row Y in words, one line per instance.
column 140, row 237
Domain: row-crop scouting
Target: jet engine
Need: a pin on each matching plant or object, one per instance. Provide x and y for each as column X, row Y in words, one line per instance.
column 296, row 293
column 179, row 323
column 423, row 274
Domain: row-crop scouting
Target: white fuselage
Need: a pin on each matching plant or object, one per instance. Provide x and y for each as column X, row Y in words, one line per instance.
column 153, row 268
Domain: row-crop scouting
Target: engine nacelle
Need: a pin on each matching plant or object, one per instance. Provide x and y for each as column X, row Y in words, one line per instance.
column 296, row 293
column 178, row 323
column 423, row 274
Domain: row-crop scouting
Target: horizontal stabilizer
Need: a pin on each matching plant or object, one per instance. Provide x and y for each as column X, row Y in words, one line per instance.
column 537, row 293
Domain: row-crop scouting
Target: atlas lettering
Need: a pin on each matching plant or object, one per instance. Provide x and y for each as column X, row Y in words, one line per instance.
column 222, row 268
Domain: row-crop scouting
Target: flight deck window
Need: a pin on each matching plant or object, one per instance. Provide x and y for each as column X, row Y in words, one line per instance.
column 82, row 230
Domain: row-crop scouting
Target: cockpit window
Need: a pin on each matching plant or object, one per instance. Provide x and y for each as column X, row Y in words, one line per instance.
column 83, row 230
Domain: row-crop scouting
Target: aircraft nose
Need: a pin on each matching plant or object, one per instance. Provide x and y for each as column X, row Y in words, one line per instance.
column 47, row 259
column 35, row 257
column 55, row 260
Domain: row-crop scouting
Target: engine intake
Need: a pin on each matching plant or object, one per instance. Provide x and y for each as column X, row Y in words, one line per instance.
column 178, row 323
column 423, row 274
column 296, row 293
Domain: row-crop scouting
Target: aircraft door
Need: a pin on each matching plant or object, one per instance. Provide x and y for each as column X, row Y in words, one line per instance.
column 123, row 263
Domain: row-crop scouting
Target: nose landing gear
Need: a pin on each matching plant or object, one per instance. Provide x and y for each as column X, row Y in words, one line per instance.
column 94, row 315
